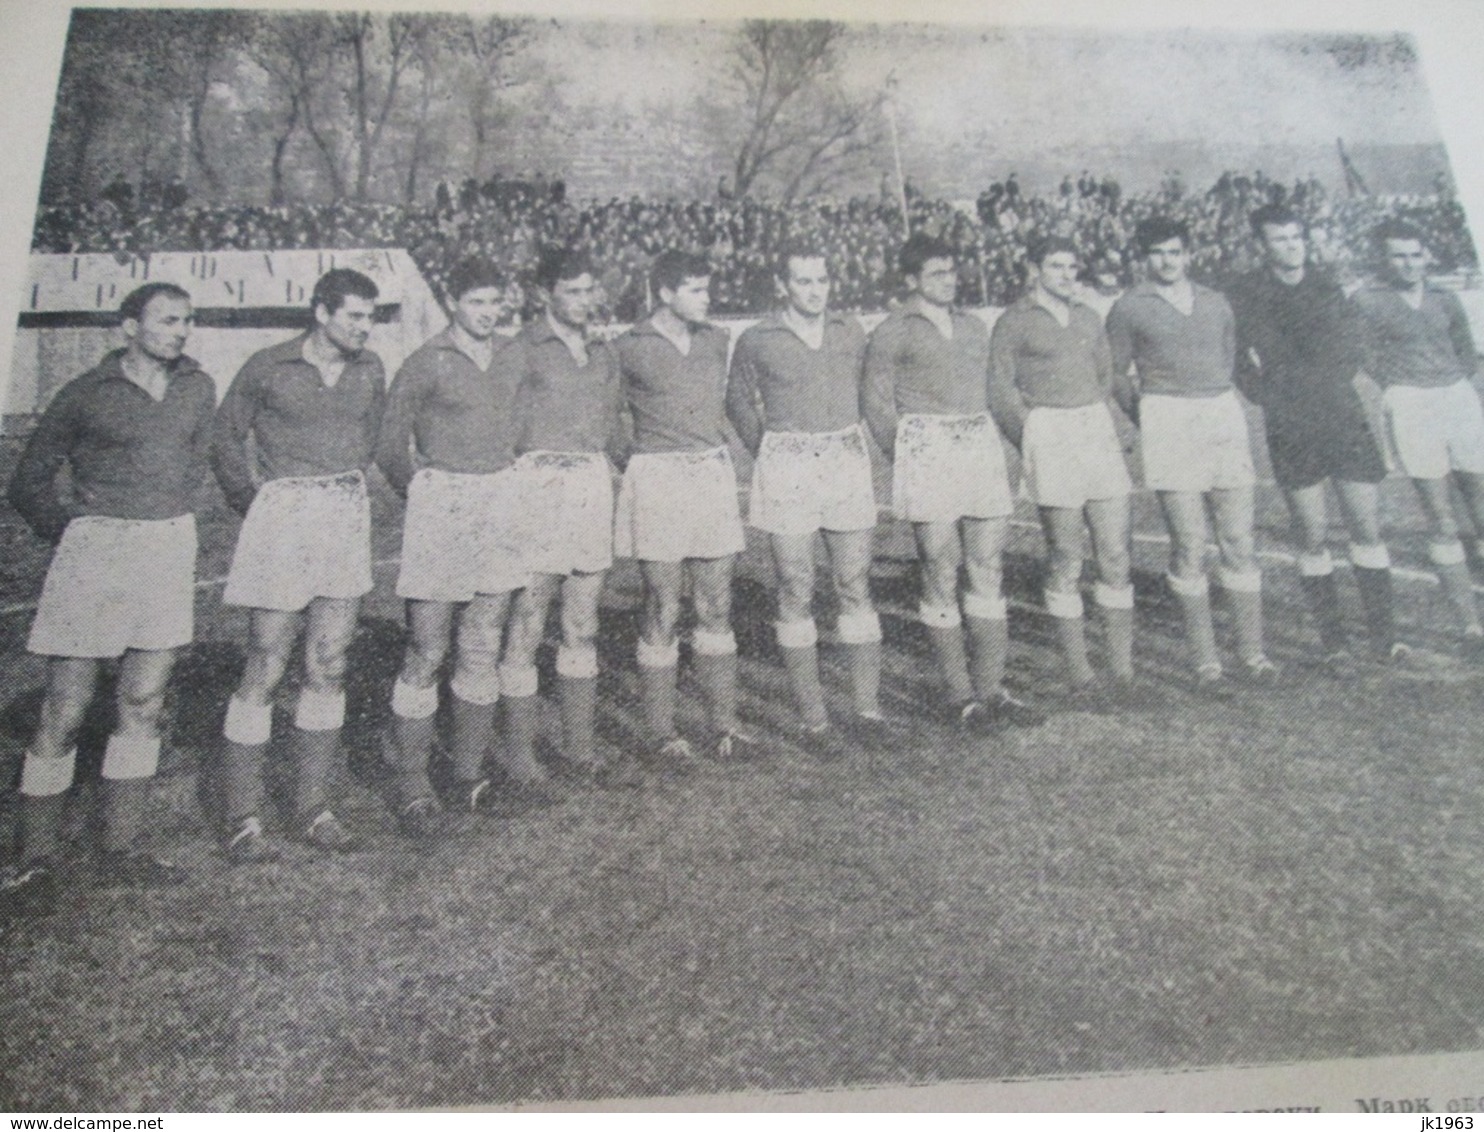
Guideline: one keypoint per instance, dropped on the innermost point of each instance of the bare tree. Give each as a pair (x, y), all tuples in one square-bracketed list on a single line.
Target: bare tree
[(297, 52), (800, 123), (84, 104), (200, 45), (156, 71), (491, 45), (380, 49), (428, 48)]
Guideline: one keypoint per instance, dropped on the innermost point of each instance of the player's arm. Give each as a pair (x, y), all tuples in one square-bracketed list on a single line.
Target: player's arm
[(395, 437), (1247, 371), (371, 423), (1228, 337), (743, 407), (33, 485), (1348, 336), (1121, 345), (878, 389), (620, 418), (1370, 337), (1006, 404), (1461, 335), (231, 432), (1102, 360), (200, 442)]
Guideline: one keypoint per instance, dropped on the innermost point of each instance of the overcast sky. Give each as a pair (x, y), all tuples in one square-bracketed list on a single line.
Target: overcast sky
[(1031, 91)]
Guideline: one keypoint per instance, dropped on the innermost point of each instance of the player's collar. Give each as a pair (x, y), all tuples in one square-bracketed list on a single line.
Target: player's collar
[(446, 339), (1033, 302), (773, 320), (1149, 290), (916, 307), (111, 368), (540, 330), (647, 327)]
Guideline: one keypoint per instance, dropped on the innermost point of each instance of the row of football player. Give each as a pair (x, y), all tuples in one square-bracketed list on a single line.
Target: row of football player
[(501, 447)]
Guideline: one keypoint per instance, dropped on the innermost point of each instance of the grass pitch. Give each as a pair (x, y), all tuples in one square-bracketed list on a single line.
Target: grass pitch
[(1292, 875)]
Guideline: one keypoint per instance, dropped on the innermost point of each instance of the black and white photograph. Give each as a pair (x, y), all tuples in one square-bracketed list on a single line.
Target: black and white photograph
[(576, 556)]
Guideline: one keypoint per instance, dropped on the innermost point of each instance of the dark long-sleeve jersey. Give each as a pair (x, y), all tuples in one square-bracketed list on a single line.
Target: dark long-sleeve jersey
[(1298, 345), (461, 418), (676, 400), (1036, 362), (130, 456), (561, 406), (780, 384), (1175, 354), (912, 368), (297, 425), (1430, 347)]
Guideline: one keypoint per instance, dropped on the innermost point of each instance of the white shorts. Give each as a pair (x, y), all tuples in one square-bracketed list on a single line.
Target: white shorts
[(809, 481), (1195, 443), (118, 584), (678, 505), (461, 536), (949, 468), (1072, 456), (567, 511), (1433, 432), (304, 537)]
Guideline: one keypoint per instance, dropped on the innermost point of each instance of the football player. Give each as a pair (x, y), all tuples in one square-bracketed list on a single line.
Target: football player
[(677, 506), (133, 433), (1051, 378), (794, 396), (1181, 340), (292, 442), (1420, 349), (927, 403)]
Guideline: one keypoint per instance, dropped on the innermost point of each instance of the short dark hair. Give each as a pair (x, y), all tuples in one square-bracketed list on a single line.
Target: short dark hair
[(472, 274), (1158, 229), (339, 284), (673, 267), (1276, 216), (559, 263), (1039, 247), (138, 299), (797, 249), (1394, 228), (918, 249)]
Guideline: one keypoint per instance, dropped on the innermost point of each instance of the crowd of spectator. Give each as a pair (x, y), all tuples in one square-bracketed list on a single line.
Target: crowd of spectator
[(510, 220)]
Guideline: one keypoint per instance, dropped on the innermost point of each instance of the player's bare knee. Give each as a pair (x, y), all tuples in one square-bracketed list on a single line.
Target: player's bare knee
[(714, 608), (795, 598), (661, 616), (1444, 526), (986, 584), (1239, 558), (1187, 561), (579, 626), (139, 710), (421, 662), (940, 581), (324, 664), (263, 673), (1064, 567), (480, 665), (856, 597), (1113, 568), (853, 584), (62, 713)]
